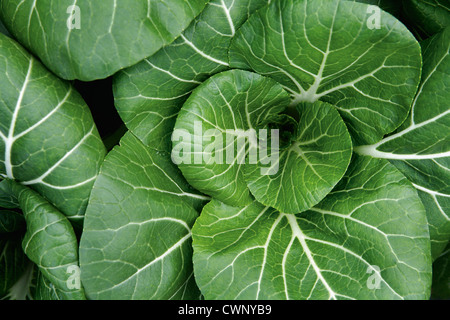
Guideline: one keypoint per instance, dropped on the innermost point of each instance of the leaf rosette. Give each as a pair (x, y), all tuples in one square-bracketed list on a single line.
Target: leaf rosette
[(276, 149), (301, 84)]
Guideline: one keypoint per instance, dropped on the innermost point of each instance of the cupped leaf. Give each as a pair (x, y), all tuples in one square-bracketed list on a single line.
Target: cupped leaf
[(48, 139), (317, 50), (136, 242), (215, 127), (421, 147), (149, 95), (367, 240), (50, 242), (429, 17), (310, 166), (92, 40), (223, 146)]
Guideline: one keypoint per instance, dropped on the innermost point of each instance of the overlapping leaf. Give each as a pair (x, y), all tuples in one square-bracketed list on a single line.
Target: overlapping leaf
[(50, 241), (136, 242), (235, 101), (48, 139), (367, 240), (236, 105), (86, 40), (308, 169), (150, 94), (421, 147), (317, 50)]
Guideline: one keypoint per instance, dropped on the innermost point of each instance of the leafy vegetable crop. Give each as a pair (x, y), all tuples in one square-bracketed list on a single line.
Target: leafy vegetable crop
[(267, 149)]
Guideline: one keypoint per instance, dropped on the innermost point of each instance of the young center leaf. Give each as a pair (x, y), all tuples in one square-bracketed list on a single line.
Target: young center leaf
[(136, 242), (89, 40), (368, 239), (328, 50), (48, 139), (310, 166), (218, 144), (149, 95), (420, 149), (235, 101)]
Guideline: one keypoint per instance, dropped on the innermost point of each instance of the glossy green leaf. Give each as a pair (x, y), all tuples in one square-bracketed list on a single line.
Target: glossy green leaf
[(233, 100), (236, 105), (48, 139), (45, 290), (149, 95), (421, 147), (89, 40), (308, 169), (368, 239), (317, 50), (136, 242), (50, 242)]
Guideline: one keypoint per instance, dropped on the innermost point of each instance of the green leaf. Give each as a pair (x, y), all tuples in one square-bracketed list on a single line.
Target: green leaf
[(104, 36), (149, 95), (310, 166), (48, 139), (136, 242), (231, 108), (7, 198), (317, 50), (429, 17), (367, 240), (50, 241), (233, 100), (421, 147), (45, 290), (441, 276)]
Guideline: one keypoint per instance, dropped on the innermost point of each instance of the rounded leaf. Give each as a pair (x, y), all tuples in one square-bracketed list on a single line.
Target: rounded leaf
[(368, 239), (92, 40), (318, 51)]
